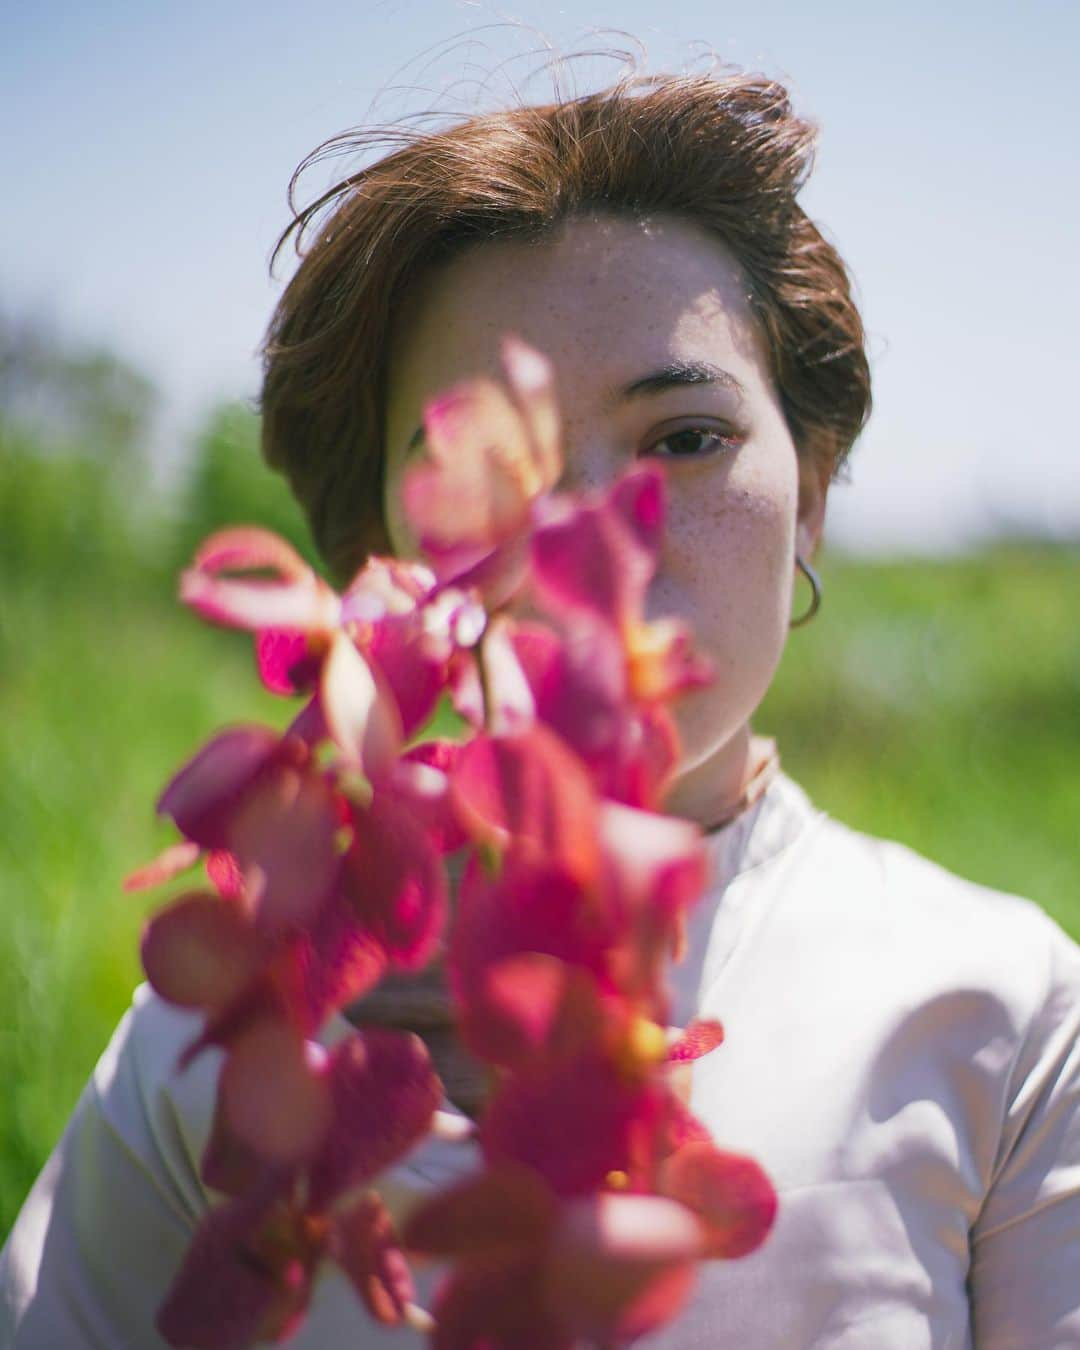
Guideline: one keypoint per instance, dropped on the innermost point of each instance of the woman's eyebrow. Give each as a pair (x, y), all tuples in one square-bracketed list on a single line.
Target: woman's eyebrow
[(673, 376)]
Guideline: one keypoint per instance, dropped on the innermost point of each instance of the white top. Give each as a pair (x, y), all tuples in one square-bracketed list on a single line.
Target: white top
[(902, 1055)]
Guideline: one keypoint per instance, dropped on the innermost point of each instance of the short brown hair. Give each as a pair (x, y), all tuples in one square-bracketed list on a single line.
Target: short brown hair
[(725, 152)]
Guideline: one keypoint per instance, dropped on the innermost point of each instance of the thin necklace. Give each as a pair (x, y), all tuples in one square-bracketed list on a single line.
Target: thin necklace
[(764, 765)]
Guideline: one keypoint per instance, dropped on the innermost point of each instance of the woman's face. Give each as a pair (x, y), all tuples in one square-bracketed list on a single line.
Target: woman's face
[(656, 355)]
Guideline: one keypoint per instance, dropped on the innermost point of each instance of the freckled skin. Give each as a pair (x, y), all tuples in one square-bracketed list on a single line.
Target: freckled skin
[(610, 299)]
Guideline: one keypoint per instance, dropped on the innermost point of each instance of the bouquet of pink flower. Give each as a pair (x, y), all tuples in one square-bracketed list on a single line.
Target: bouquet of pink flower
[(325, 850)]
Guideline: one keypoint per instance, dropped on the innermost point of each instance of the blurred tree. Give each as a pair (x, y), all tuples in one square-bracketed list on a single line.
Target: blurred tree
[(73, 422), (228, 484), (62, 523), (73, 397)]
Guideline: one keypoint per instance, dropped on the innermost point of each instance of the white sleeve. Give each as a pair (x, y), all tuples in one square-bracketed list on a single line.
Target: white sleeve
[(107, 1223), (1024, 1279)]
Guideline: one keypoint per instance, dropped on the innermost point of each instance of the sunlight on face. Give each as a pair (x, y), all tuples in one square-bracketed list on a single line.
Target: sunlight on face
[(656, 354)]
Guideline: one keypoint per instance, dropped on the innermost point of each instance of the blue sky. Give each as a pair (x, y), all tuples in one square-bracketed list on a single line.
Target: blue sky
[(149, 146)]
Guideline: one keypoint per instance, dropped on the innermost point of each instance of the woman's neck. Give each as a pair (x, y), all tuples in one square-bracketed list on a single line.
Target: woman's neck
[(719, 787)]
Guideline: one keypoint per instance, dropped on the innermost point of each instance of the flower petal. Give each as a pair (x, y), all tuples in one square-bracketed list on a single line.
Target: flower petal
[(638, 500), (255, 605), (578, 683), (362, 719), (501, 1308), (396, 882), (529, 790), (656, 868), (275, 1092), (367, 1249), (644, 759), (386, 587), (265, 996), (202, 795), (504, 1214), (495, 573), (201, 952), (580, 688), (587, 563), (404, 632), (621, 1265), (531, 377), (288, 660), (249, 547), (385, 1094), (529, 1008), (613, 1123), (224, 1296), (332, 962), (309, 725), (659, 862), (482, 469), (294, 598), (414, 674), (510, 704), (421, 785), (224, 874), (682, 1126), (701, 1035), (729, 1192), (229, 1164), (283, 835), (526, 908), (169, 863), (662, 662), (577, 568)]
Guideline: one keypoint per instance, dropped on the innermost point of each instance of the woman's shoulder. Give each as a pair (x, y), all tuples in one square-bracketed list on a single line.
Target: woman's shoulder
[(932, 893), (924, 1033), (907, 908), (108, 1221)]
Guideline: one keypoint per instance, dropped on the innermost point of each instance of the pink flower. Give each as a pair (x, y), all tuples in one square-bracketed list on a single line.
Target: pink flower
[(326, 848), (249, 1271), (491, 452), (539, 1267), (204, 953), (392, 876), (409, 630), (579, 688), (262, 798), (405, 627), (592, 564), (600, 1239), (250, 578), (613, 904), (383, 905), (528, 791)]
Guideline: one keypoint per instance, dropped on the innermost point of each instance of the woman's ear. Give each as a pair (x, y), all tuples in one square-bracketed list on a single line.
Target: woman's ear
[(813, 491)]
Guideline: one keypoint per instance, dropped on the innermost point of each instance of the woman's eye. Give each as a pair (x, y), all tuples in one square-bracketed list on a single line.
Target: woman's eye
[(691, 442)]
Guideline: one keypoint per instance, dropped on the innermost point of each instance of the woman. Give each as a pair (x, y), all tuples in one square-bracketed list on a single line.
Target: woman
[(901, 1048)]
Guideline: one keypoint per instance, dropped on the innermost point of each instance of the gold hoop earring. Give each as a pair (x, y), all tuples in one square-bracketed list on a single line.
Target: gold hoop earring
[(815, 591)]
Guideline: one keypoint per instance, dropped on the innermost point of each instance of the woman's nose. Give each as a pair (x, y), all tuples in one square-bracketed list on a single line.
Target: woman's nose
[(588, 466)]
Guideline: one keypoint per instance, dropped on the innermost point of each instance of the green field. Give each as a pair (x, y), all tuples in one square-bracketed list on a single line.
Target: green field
[(935, 703)]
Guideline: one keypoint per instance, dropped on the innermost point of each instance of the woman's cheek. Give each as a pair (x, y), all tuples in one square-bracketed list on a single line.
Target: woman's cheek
[(728, 564), (727, 571)]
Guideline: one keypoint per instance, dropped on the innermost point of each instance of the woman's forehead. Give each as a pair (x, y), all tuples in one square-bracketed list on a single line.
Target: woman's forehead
[(605, 297)]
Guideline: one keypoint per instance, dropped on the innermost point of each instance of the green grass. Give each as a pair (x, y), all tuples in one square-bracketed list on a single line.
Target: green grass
[(102, 699), (938, 704)]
